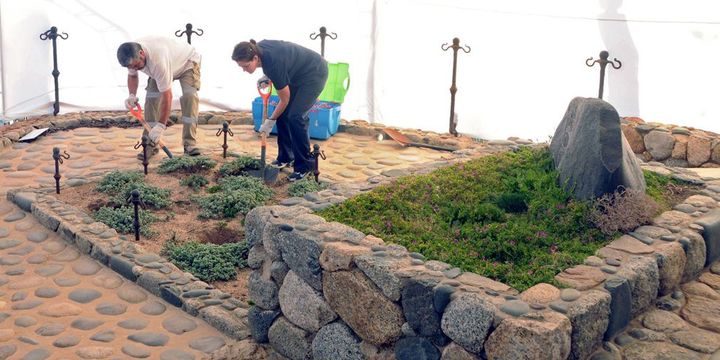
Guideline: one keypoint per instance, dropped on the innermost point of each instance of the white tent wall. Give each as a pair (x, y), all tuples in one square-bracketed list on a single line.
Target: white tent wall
[(527, 59)]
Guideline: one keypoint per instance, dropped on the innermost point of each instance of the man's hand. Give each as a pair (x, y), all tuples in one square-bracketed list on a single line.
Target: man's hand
[(263, 82), (267, 127), (131, 101), (156, 132)]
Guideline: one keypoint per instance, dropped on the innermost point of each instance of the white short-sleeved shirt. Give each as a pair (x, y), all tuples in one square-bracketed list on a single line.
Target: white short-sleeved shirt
[(166, 59)]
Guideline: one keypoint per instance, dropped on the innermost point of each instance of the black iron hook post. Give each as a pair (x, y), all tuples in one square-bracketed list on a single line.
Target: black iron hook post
[(58, 160), (317, 154), (225, 130), (144, 142), (189, 31), (52, 34), (453, 89), (323, 34), (603, 61), (135, 199)]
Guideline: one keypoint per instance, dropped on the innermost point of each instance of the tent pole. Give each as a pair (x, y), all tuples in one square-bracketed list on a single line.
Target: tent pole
[(2, 66)]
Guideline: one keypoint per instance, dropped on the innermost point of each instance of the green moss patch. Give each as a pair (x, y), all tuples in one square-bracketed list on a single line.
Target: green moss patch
[(504, 217)]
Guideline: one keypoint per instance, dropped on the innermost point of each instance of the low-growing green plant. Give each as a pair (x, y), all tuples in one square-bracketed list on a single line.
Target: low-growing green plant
[(239, 166), (209, 262), (665, 190), (122, 219), (246, 183), (186, 164), (453, 215), (228, 204), (512, 202), (116, 181), (305, 186), (151, 196), (194, 181), (213, 189)]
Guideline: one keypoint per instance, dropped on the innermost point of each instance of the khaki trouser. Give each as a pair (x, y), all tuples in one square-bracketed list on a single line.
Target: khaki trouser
[(189, 101)]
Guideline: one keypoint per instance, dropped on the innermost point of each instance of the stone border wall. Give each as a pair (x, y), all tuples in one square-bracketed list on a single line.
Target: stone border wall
[(324, 290), (672, 145)]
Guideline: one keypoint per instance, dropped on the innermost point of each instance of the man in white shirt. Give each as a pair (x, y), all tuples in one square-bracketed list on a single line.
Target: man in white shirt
[(164, 60)]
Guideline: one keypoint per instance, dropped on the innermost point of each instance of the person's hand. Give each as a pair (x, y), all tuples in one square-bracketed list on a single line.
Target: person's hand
[(267, 127), (263, 82), (156, 132), (131, 101)]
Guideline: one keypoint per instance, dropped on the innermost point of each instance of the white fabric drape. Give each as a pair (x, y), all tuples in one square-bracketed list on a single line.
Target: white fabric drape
[(527, 59)]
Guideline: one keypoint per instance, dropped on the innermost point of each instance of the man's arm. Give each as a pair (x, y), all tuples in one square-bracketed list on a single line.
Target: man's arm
[(132, 83)]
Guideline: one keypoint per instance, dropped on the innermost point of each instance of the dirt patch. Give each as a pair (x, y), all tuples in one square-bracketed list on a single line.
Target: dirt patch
[(179, 222)]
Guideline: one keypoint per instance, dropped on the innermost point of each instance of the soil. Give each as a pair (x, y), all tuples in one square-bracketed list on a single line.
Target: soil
[(180, 222)]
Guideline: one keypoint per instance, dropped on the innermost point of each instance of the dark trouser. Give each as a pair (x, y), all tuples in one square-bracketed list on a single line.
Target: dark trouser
[(292, 126)]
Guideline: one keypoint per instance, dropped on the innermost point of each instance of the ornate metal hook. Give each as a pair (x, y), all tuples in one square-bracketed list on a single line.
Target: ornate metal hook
[(453, 89), (58, 156), (317, 153), (189, 31), (456, 46), (225, 129), (603, 61), (52, 34), (323, 34)]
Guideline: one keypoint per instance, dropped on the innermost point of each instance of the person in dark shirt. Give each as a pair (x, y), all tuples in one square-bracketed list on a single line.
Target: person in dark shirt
[(299, 75)]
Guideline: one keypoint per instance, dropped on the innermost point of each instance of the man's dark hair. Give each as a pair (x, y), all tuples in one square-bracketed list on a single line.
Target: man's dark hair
[(128, 52)]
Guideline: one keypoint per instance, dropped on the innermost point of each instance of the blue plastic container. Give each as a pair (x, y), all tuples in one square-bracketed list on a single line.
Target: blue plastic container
[(324, 117)]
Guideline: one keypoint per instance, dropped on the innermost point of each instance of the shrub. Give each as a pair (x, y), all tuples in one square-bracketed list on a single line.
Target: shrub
[(230, 203), (623, 211), (194, 181), (512, 202), (233, 195), (474, 213), (186, 164), (116, 181), (245, 183), (305, 186), (122, 218), (209, 262), (239, 166), (151, 196)]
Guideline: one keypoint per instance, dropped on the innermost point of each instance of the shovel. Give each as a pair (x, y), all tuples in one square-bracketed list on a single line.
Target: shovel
[(269, 174), (404, 141), (137, 113)]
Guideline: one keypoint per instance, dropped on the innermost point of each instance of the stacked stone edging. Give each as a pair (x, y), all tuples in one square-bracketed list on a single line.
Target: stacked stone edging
[(324, 290), (154, 273), (672, 145)]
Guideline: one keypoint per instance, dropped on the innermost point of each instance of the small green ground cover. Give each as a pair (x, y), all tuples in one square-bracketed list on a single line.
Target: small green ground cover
[(503, 217)]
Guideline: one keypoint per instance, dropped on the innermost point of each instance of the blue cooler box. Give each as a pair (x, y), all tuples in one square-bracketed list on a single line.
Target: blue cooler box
[(324, 117)]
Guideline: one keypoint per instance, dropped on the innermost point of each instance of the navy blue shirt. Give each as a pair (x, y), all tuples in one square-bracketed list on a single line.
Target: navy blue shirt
[(286, 63)]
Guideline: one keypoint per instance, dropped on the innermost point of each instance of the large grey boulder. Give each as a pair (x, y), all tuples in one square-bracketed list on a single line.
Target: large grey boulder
[(591, 153)]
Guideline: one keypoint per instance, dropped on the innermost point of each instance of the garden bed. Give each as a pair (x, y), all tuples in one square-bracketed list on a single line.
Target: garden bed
[(503, 217), (187, 218)]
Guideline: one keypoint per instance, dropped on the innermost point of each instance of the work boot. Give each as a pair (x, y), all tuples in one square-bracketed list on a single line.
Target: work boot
[(192, 151), (151, 151)]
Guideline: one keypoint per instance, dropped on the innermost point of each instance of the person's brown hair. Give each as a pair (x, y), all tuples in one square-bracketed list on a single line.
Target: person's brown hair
[(245, 51)]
